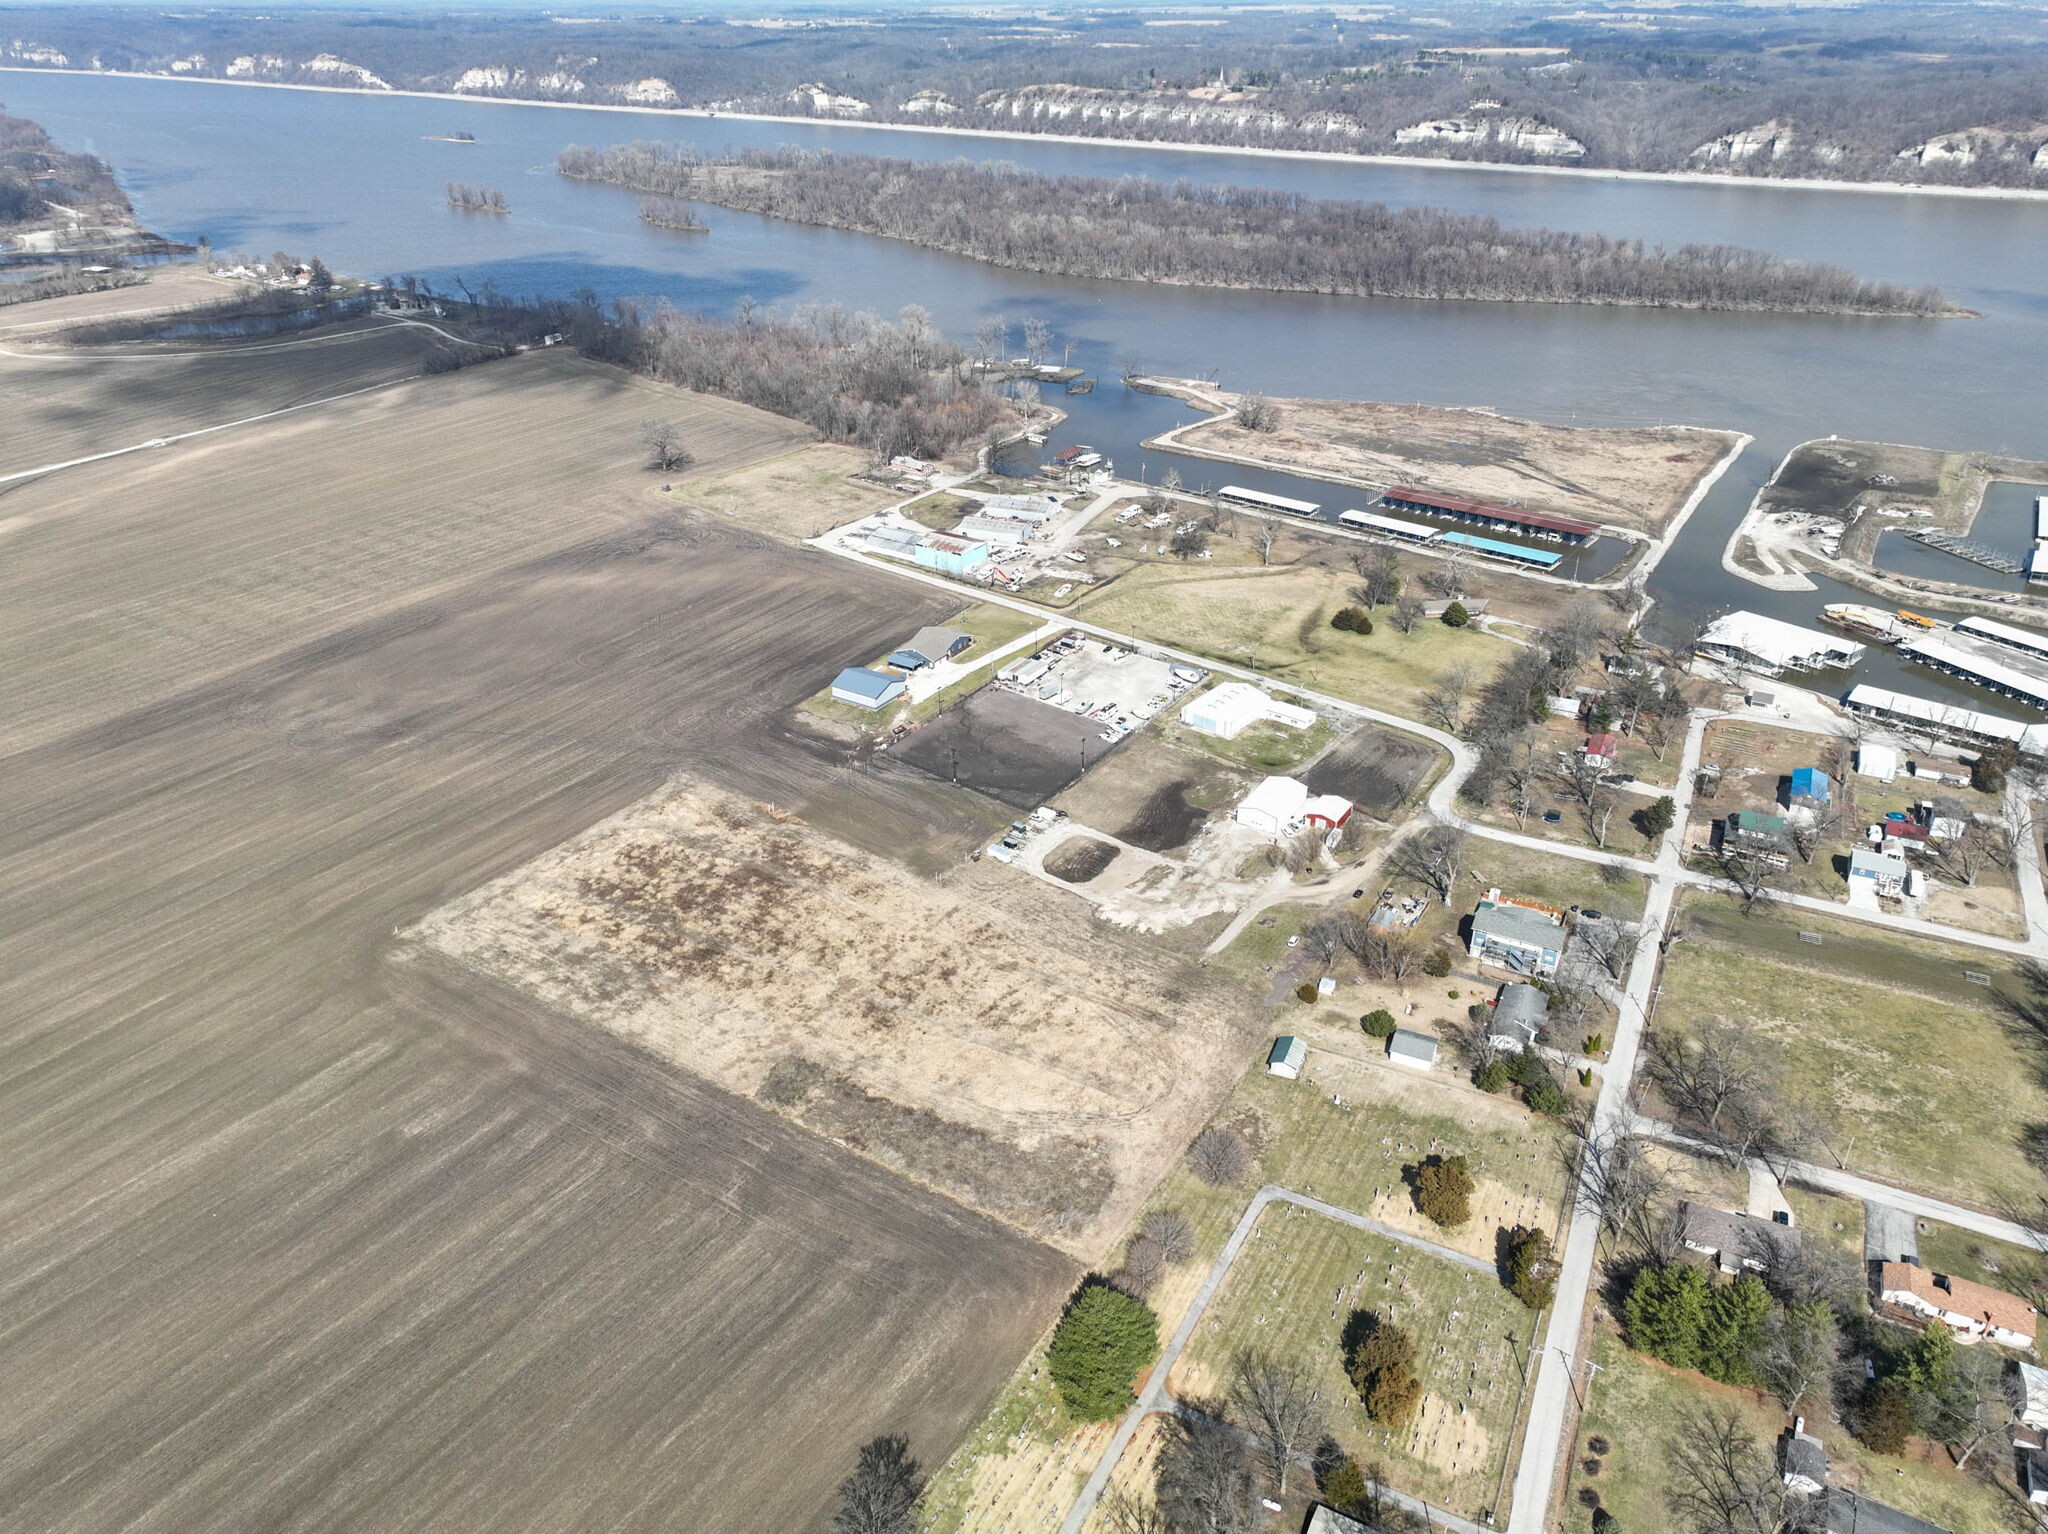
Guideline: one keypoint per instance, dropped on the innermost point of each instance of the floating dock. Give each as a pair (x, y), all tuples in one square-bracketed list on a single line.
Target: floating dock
[(1949, 543)]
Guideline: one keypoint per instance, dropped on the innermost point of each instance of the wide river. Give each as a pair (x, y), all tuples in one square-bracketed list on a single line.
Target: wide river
[(358, 179)]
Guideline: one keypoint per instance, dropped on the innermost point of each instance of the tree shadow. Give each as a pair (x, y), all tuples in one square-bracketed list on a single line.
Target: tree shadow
[(1503, 1250)]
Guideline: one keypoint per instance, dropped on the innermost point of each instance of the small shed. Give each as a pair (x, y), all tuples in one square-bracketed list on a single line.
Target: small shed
[(1412, 1049), (1286, 1056), (2026, 1386), (866, 689), (1879, 762), (1804, 1461)]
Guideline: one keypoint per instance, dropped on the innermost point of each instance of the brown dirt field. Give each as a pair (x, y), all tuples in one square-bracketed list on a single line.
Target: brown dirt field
[(1637, 477), (168, 287), (1152, 794), (794, 495), (1376, 769), (72, 402), (129, 578), (876, 1006), (308, 1228)]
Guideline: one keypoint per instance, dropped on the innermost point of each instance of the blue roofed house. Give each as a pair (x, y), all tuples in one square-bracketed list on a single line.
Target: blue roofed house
[(1810, 787), (929, 646), (866, 689), (1527, 939)]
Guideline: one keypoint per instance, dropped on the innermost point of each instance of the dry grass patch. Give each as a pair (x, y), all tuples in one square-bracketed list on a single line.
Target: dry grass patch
[(1635, 477), (795, 495), (977, 1033), (1277, 621)]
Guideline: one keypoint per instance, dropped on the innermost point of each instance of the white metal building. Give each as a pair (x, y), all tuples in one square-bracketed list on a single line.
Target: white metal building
[(1228, 711), (1279, 807), (1875, 761), (1771, 645)]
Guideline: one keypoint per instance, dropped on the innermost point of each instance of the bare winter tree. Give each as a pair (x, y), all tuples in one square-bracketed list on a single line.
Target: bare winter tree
[(1801, 1272), (881, 1495), (1276, 1399), (1431, 857), (1599, 812), (1609, 946), (1752, 880), (1724, 1482), (1264, 535), (1407, 612), (1219, 1157), (1037, 338), (1523, 773), (1172, 1232), (1257, 413), (664, 443), (1714, 1071), (992, 338), (1123, 1513), (1380, 580), (1812, 828), (1444, 704), (1204, 1481), (1323, 939), (1799, 1352), (1144, 1265), (1618, 1180), (1965, 855)]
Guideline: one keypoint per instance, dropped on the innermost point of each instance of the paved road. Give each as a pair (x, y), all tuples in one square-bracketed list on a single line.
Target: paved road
[(1155, 1396), (1924, 1206)]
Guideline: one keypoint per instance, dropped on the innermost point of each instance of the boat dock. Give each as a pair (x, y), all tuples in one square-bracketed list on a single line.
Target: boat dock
[(1949, 543)]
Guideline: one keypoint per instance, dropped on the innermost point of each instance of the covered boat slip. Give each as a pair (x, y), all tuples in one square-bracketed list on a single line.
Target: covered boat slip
[(1392, 527), (1263, 501), (1507, 519)]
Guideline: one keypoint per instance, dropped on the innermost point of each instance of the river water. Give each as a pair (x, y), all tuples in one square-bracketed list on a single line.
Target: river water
[(358, 181)]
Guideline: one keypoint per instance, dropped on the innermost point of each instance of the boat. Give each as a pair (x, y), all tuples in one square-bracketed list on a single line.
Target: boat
[(1870, 622), (1915, 619)]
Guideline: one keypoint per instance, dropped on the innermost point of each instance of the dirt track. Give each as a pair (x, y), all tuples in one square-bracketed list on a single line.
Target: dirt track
[(306, 1229)]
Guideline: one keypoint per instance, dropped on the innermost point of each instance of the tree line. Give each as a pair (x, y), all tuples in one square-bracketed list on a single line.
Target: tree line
[(1232, 237), (1855, 95)]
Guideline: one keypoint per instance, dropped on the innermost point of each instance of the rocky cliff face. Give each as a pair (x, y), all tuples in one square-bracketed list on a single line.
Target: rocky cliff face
[(820, 102), (1054, 104), (1482, 130), (1767, 142), (1981, 145)]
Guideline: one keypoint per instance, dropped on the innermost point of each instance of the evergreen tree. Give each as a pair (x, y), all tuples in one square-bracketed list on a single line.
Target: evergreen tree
[(1736, 1317), (1532, 1273), (1101, 1343), (1885, 1420), (1379, 1023), (1443, 1190), (1665, 1313), (1457, 615)]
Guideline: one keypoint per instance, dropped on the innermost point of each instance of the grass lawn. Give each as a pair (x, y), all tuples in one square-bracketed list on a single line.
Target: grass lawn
[(1926, 1086), (1639, 1406), (1945, 1249), (1291, 1292), (1824, 1217), (1277, 621), (1026, 1460), (939, 511), (1558, 881), (797, 495)]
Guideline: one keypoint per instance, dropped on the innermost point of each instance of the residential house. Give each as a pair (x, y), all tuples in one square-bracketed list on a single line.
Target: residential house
[(1973, 1311), (1902, 836), (1327, 1520), (1529, 939), (1519, 1015), (1803, 1461), (1733, 1242), (1286, 1057), (1875, 873), (1416, 1050), (1753, 831), (2026, 1386), (1601, 750), (929, 646)]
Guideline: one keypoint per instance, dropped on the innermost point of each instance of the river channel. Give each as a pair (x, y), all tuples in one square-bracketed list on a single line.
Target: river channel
[(357, 180)]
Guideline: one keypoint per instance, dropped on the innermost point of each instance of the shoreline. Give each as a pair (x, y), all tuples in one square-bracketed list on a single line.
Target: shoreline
[(1582, 172)]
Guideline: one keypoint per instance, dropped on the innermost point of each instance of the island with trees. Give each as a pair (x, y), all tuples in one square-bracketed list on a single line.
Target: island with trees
[(476, 199), (1233, 237)]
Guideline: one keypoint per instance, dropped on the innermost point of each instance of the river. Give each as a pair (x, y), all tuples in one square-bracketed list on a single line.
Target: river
[(357, 180)]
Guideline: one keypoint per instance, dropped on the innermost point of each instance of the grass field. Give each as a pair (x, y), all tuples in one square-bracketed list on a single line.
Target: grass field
[(1277, 621), (1925, 1084), (308, 1227), (1640, 1406), (128, 579), (1945, 1249), (1291, 1291), (70, 403), (797, 494)]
